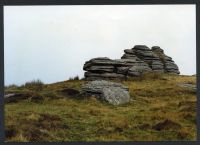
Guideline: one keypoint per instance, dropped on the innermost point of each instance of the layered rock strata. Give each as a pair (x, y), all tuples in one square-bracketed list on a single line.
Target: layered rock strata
[(168, 63), (134, 62)]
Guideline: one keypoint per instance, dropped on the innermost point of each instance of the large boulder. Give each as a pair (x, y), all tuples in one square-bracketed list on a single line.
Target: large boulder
[(113, 93)]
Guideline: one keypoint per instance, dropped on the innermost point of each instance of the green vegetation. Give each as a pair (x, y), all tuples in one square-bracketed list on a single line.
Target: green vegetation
[(159, 110), (35, 85), (74, 78)]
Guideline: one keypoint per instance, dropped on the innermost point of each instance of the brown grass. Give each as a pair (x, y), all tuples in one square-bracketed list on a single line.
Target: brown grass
[(154, 100)]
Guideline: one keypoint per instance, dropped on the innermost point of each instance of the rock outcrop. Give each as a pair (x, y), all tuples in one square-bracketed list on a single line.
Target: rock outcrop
[(113, 93), (134, 62), (169, 64)]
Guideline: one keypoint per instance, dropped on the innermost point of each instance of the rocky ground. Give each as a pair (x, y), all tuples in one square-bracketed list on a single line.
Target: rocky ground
[(161, 107)]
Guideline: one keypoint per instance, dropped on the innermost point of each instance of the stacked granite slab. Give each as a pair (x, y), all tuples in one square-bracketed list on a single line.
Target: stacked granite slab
[(168, 63), (134, 62), (145, 54), (102, 68), (132, 67)]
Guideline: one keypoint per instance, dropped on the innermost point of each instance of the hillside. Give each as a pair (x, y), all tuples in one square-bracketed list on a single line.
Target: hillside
[(159, 110)]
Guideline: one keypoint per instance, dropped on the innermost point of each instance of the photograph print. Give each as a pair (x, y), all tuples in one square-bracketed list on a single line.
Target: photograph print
[(100, 73)]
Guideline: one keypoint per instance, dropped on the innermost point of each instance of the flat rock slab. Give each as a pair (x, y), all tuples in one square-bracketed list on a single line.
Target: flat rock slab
[(22, 96), (113, 93), (188, 86)]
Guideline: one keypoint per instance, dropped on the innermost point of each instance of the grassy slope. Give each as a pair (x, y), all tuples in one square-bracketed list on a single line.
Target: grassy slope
[(88, 119)]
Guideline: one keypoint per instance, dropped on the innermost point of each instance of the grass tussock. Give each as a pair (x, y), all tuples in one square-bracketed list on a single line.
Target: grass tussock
[(148, 76), (12, 86), (73, 78), (36, 85), (159, 110)]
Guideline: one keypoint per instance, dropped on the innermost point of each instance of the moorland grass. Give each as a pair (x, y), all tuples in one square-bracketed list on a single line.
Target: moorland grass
[(60, 117)]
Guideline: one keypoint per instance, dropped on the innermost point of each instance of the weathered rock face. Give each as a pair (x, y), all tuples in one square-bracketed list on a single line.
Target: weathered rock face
[(168, 63), (145, 54), (134, 62), (114, 93)]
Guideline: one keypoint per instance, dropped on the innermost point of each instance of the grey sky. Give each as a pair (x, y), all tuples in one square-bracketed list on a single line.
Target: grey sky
[(52, 43)]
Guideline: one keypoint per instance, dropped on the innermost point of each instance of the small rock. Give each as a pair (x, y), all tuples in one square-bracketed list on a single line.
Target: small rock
[(188, 86), (16, 97), (9, 95)]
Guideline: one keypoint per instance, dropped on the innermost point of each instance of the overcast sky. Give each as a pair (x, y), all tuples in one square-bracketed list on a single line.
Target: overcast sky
[(51, 43)]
